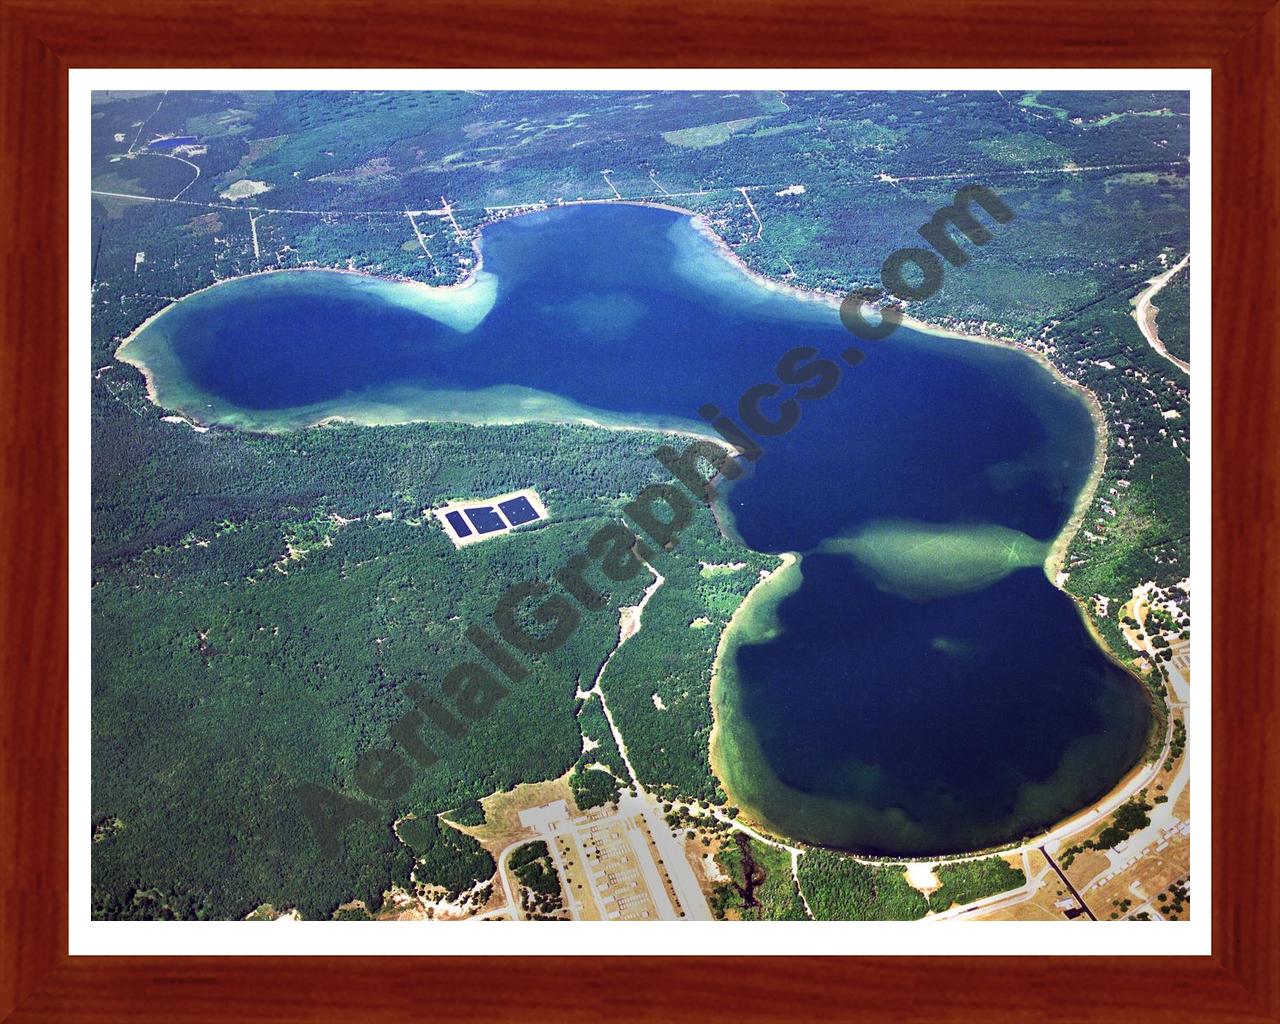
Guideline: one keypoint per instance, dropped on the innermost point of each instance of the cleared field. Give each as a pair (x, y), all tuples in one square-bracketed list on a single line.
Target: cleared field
[(469, 522), (708, 134)]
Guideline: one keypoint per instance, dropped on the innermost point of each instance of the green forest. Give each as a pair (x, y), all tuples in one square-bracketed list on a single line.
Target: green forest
[(840, 888), (1173, 315), (445, 856), (256, 624), (968, 880), (541, 898)]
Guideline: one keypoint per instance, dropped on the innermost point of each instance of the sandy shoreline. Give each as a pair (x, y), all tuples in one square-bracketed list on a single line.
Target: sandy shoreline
[(434, 289), (704, 227), (786, 560), (1053, 565), (1069, 826), (148, 375), (1058, 548), (568, 421)]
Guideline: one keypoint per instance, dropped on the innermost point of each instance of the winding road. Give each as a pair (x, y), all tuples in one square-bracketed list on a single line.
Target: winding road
[(1145, 314)]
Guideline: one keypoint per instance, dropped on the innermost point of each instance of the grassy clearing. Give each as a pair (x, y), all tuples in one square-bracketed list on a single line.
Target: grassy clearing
[(1022, 148), (704, 135)]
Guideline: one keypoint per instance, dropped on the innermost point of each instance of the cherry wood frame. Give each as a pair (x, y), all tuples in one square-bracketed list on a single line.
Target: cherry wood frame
[(41, 39)]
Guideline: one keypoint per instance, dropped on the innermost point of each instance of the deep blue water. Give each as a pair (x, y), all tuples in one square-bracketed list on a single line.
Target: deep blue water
[(878, 722)]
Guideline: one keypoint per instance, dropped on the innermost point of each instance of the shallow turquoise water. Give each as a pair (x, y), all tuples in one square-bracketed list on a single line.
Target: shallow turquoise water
[(923, 689)]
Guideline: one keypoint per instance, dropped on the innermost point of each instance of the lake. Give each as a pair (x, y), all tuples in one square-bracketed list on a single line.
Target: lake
[(913, 684)]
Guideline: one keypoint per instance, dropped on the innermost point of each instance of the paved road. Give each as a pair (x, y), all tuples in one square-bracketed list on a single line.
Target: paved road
[(512, 903), (1067, 882)]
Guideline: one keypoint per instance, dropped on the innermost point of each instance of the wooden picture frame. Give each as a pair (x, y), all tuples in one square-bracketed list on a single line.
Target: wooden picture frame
[(42, 39)]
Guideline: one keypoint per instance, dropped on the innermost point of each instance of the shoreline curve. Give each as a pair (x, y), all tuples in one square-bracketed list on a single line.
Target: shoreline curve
[(1053, 565)]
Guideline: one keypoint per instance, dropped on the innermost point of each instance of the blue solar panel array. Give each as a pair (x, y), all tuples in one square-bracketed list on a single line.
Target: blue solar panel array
[(460, 527), (518, 510), (485, 519)]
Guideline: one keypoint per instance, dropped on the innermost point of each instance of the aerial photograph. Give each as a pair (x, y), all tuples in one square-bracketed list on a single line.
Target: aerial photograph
[(677, 505)]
